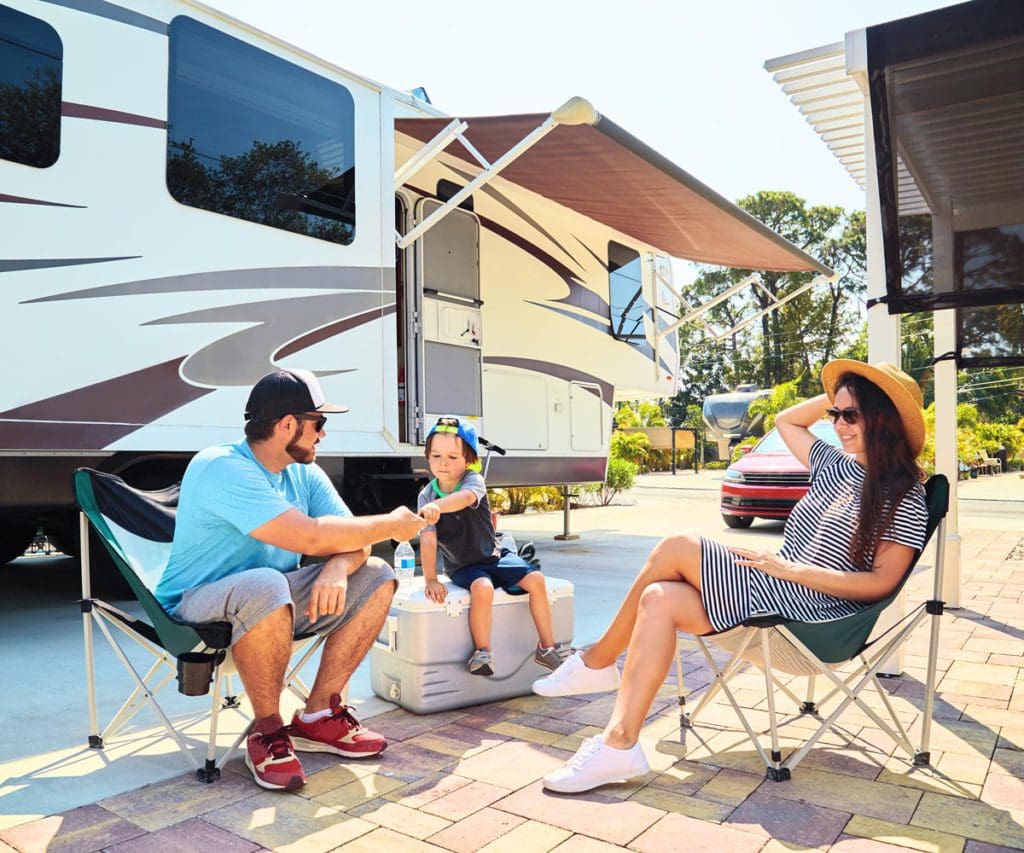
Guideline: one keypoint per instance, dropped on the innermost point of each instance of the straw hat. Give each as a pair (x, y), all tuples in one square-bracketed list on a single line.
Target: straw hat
[(898, 386)]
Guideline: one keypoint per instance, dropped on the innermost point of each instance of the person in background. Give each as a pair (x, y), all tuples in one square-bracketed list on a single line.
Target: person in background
[(454, 505)]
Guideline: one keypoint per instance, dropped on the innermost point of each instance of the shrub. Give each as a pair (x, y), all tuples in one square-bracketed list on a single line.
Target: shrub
[(633, 447), (621, 476)]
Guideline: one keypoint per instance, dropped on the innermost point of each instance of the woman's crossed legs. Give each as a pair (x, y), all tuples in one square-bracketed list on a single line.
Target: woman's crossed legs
[(663, 599)]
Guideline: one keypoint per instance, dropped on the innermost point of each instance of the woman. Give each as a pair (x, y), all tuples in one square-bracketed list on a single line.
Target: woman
[(846, 544)]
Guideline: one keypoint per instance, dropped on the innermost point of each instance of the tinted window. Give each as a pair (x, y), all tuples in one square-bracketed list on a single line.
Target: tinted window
[(252, 136), (30, 74), (625, 293)]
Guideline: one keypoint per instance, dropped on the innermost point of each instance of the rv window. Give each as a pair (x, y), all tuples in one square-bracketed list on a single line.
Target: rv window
[(625, 293), (31, 57), (255, 137)]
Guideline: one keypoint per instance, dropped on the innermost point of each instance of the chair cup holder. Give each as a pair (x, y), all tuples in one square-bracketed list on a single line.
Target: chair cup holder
[(195, 672)]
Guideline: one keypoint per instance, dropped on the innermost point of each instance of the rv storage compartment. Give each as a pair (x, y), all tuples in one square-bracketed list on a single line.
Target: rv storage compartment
[(419, 659)]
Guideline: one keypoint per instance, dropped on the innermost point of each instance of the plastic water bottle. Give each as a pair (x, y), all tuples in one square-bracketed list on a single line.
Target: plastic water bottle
[(405, 563)]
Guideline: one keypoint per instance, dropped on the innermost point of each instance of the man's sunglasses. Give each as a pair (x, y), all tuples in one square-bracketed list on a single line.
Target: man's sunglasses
[(851, 415), (319, 421)]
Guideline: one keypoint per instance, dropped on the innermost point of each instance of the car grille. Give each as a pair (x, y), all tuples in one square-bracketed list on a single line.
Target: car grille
[(775, 479), (756, 503)]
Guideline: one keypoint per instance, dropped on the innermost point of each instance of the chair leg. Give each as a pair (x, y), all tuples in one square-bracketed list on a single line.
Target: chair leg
[(776, 772), (95, 740), (809, 707), (679, 684), (210, 772)]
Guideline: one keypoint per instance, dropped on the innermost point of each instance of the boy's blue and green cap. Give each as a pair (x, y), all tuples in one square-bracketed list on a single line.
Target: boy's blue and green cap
[(455, 426)]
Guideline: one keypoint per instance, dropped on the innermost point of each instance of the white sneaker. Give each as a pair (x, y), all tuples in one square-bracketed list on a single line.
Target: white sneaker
[(596, 764), (574, 677)]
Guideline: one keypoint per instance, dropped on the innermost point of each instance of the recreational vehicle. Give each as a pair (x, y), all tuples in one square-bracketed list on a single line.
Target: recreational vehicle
[(188, 203)]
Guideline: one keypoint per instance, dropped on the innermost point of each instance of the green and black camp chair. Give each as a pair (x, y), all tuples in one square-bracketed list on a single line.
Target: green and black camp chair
[(137, 527), (778, 646)]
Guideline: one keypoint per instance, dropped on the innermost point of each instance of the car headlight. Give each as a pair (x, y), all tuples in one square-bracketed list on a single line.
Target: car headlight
[(734, 476)]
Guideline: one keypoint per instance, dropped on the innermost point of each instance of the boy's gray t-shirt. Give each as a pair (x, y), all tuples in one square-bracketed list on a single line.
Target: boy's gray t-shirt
[(466, 537)]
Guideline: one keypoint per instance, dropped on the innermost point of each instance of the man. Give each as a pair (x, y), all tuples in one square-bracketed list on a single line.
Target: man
[(247, 513)]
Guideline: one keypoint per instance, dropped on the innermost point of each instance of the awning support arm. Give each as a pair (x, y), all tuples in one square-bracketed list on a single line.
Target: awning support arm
[(428, 152), (573, 111), (484, 177), (773, 307), (698, 312)]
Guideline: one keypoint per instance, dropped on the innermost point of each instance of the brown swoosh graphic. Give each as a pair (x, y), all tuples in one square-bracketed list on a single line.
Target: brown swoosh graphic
[(17, 199), (69, 109), (92, 417)]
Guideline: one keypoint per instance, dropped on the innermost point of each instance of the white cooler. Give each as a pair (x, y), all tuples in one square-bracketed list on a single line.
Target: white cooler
[(419, 659)]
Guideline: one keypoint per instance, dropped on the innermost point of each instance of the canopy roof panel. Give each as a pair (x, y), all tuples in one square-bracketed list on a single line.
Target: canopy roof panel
[(610, 176)]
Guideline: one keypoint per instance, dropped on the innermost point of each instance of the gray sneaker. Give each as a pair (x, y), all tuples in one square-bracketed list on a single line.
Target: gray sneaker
[(481, 663), (553, 657)]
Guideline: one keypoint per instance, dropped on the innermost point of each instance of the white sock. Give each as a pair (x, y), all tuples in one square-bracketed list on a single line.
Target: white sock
[(316, 715)]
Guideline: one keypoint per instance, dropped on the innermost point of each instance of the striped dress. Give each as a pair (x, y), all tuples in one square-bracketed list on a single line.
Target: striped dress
[(819, 532)]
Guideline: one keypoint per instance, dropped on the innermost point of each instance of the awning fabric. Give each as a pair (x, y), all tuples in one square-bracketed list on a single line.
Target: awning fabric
[(610, 176)]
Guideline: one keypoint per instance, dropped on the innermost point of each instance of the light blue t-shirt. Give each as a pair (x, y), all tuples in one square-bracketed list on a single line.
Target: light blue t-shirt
[(226, 494)]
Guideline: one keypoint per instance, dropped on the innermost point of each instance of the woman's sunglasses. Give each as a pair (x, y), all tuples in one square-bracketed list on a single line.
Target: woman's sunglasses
[(850, 416)]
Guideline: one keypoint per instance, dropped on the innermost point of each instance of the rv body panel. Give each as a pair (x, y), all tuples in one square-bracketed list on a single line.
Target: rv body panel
[(141, 321)]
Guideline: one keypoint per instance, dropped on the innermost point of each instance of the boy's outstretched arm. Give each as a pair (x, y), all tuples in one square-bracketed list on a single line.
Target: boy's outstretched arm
[(435, 590)]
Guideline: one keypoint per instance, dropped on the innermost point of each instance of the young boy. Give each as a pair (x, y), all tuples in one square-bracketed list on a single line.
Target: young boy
[(458, 517)]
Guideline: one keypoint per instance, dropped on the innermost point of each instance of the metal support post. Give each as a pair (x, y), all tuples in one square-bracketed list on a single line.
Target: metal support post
[(565, 534)]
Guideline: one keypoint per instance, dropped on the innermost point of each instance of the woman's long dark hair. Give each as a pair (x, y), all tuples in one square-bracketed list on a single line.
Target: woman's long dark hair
[(892, 469)]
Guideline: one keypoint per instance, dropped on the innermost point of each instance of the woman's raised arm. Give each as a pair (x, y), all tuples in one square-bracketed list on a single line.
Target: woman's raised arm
[(794, 425)]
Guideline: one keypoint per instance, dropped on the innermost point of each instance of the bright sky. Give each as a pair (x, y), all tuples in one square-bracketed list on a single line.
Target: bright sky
[(685, 76)]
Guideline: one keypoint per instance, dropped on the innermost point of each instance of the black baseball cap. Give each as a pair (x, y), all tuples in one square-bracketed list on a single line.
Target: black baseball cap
[(287, 392)]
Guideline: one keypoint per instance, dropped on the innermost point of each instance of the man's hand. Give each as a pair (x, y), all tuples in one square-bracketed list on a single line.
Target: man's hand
[(327, 597), (406, 523), (431, 512), (436, 591)]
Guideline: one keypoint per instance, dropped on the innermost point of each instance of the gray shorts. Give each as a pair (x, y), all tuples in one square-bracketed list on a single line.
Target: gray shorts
[(249, 597)]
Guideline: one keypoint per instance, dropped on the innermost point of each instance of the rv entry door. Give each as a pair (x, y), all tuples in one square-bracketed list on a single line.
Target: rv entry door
[(448, 290)]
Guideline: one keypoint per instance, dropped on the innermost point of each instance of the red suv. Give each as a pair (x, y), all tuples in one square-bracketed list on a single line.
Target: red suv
[(767, 481)]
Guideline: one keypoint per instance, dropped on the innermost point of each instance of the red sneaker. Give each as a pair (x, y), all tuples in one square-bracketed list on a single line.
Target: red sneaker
[(339, 732), (271, 758)]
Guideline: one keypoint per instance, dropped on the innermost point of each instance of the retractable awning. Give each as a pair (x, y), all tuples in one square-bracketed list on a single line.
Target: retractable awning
[(608, 175)]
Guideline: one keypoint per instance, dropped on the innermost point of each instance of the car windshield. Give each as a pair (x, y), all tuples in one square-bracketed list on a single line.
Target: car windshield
[(773, 443)]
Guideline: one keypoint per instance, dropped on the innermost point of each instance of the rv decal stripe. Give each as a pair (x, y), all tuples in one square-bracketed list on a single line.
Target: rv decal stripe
[(19, 264), (92, 417), (71, 110), (102, 9), (17, 199), (600, 325), (333, 329), (559, 371), (241, 357), (290, 278)]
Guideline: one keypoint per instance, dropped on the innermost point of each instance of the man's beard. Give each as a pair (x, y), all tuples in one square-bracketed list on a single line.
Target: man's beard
[(302, 455)]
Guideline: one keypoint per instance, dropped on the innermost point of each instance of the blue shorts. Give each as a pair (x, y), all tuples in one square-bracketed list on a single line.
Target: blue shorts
[(505, 573)]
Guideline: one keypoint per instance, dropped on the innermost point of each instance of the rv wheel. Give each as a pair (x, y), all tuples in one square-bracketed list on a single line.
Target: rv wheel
[(737, 522)]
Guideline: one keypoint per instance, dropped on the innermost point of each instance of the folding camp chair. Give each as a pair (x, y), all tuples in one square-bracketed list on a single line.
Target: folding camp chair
[(137, 528), (775, 645)]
